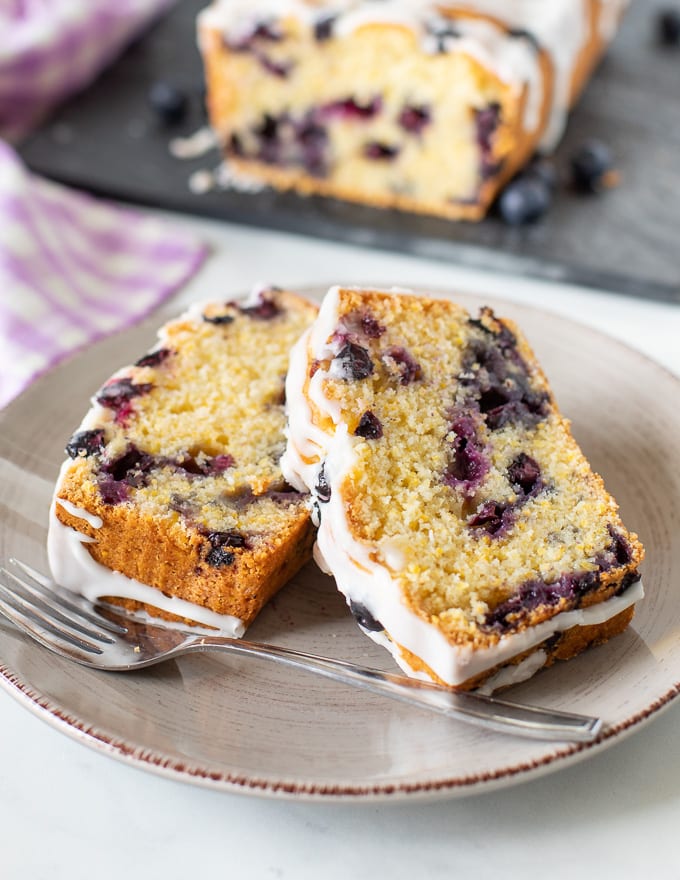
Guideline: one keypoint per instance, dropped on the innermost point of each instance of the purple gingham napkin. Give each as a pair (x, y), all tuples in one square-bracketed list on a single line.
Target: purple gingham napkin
[(51, 48), (73, 269)]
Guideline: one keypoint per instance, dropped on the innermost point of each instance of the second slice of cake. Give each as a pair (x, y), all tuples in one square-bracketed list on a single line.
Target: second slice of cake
[(172, 496), (457, 513)]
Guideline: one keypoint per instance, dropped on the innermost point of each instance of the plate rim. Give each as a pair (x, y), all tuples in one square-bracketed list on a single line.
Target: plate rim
[(171, 767)]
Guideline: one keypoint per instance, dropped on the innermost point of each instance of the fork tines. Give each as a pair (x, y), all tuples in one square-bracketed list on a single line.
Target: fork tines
[(40, 607)]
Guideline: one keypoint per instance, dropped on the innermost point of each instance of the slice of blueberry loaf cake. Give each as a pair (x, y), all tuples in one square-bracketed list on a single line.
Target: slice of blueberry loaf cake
[(172, 496), (458, 515), (412, 104)]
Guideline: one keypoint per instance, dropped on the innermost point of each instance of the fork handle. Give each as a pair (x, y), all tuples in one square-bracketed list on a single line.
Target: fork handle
[(485, 711)]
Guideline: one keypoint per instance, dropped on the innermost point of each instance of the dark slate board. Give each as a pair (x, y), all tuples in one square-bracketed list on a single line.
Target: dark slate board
[(628, 240)]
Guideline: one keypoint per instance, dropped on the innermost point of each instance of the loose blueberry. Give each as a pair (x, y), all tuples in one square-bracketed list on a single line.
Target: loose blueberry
[(668, 28), (525, 200), (86, 443), (168, 102), (369, 427), (414, 119), (154, 358), (353, 362), (590, 165), (380, 152), (364, 617)]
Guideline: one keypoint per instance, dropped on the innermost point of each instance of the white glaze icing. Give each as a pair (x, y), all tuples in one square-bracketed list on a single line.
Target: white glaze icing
[(359, 575), (560, 27), (514, 674), (90, 518)]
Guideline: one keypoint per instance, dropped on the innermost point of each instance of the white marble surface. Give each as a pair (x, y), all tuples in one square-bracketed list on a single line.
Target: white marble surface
[(67, 811)]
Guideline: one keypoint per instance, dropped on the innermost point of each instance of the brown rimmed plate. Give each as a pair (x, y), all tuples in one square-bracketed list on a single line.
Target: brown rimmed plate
[(244, 726)]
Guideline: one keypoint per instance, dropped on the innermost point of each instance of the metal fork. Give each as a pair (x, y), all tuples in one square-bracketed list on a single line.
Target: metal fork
[(108, 638)]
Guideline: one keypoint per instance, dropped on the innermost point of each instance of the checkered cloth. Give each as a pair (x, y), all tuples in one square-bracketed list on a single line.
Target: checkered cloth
[(51, 48), (73, 269)]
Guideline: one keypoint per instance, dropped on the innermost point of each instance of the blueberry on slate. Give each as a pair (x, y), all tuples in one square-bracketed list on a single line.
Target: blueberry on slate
[(545, 171), (589, 165), (168, 102), (668, 27), (524, 200)]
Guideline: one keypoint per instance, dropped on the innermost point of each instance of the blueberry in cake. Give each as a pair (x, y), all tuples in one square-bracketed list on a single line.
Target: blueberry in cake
[(172, 496), (411, 104), (456, 512)]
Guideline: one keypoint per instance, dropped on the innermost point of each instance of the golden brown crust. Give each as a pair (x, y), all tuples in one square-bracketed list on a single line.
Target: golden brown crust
[(173, 560)]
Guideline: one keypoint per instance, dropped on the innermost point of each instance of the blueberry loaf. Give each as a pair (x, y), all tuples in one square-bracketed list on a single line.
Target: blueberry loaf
[(172, 496), (411, 104), (457, 513)]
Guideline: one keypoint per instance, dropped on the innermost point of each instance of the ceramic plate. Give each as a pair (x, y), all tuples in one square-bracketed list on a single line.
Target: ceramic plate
[(248, 726)]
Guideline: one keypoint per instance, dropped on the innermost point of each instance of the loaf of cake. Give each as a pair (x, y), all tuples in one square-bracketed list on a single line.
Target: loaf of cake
[(456, 512), (172, 496), (412, 104)]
